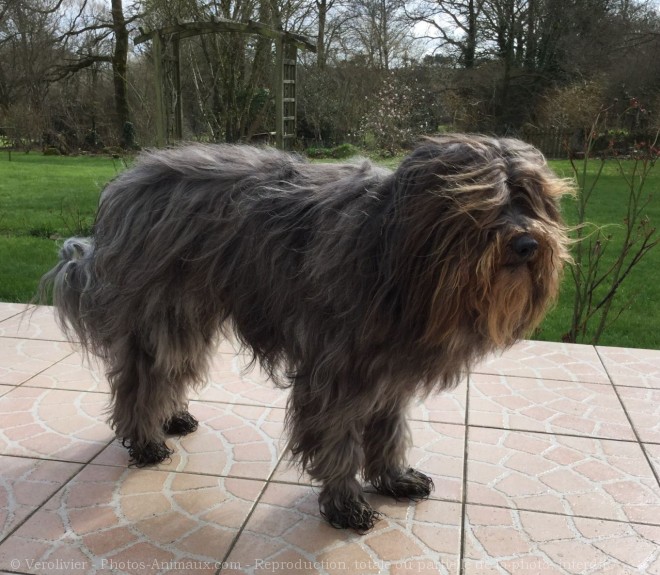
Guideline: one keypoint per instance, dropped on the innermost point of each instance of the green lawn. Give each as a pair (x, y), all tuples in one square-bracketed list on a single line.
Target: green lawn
[(43, 199), (638, 325)]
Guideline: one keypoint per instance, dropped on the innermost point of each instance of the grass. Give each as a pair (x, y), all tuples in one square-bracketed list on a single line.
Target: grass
[(44, 199), (638, 325)]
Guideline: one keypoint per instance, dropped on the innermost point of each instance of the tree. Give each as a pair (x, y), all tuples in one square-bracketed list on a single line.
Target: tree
[(99, 37), (378, 32), (454, 24), (28, 50)]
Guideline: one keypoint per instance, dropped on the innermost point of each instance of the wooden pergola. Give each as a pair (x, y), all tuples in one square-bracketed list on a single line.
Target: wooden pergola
[(286, 52)]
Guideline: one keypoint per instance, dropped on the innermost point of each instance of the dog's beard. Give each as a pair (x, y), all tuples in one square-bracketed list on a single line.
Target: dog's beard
[(518, 298)]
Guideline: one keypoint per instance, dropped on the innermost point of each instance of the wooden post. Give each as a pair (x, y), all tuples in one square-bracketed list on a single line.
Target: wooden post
[(176, 71), (286, 54), (279, 93), (161, 110), (289, 102)]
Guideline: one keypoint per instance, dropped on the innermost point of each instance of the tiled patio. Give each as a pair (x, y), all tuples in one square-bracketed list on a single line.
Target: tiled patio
[(546, 461)]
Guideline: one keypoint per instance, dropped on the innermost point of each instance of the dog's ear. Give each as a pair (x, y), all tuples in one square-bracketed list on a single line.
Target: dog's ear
[(426, 235)]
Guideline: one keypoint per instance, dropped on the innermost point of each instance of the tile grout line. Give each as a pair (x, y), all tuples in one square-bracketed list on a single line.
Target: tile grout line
[(462, 535), (553, 433), (567, 515), (225, 559), (632, 425), (541, 378), (42, 371)]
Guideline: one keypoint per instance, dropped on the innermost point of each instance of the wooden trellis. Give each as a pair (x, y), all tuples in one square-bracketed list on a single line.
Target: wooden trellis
[(286, 50)]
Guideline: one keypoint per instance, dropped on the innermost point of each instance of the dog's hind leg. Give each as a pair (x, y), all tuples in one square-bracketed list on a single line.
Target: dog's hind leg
[(149, 401), (328, 441), (386, 441)]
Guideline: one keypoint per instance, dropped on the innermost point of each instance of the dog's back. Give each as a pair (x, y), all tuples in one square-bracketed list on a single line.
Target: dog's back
[(189, 234)]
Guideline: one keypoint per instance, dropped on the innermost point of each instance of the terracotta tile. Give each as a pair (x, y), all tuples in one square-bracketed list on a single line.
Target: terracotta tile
[(444, 406), (547, 360), (560, 474), (8, 310), (653, 452), (25, 484), (438, 451), (36, 323), (21, 359), (539, 543), (74, 372), (238, 440), (229, 344), (643, 407), (286, 534), (53, 424), (231, 381), (633, 367), (101, 518), (547, 405)]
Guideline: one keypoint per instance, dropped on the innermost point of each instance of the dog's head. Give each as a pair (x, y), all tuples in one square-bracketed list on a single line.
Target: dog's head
[(483, 235)]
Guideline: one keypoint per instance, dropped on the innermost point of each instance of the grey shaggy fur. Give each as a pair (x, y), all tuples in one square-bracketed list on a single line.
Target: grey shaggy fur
[(356, 286)]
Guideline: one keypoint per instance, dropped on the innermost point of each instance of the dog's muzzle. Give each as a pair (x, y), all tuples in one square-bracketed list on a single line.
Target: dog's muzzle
[(524, 248)]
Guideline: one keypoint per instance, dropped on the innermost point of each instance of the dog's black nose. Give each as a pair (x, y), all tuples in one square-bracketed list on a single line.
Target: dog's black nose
[(525, 247)]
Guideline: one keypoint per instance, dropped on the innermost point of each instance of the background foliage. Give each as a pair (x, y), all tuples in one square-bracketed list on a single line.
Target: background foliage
[(386, 70)]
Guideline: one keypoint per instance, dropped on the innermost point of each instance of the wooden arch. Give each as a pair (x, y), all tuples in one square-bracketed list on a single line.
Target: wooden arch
[(286, 52)]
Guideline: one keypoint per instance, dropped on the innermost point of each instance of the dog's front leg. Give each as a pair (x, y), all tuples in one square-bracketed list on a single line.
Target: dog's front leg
[(326, 435), (386, 442)]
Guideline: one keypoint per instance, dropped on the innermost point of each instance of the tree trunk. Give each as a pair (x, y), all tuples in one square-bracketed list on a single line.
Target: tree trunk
[(119, 68), (471, 39), (322, 7)]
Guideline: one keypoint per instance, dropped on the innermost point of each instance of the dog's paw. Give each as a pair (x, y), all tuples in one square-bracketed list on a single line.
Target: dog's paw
[(354, 514), (410, 484), (150, 453), (181, 424)]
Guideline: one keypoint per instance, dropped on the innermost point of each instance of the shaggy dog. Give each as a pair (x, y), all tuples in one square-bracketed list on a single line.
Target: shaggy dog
[(357, 287)]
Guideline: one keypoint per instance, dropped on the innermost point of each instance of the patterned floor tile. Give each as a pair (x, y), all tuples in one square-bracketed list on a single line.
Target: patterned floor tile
[(8, 310), (547, 360), (286, 534), (444, 406), (21, 359), (553, 406), (25, 484), (36, 323), (235, 440), (653, 451), (522, 542), (53, 424), (643, 407), (75, 373), (437, 451), (634, 367), (231, 381), (560, 474), (117, 520)]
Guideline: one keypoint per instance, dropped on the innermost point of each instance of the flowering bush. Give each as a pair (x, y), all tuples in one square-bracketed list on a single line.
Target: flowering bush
[(395, 118)]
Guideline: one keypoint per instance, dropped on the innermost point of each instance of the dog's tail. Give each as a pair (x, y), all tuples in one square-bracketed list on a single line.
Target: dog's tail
[(69, 281)]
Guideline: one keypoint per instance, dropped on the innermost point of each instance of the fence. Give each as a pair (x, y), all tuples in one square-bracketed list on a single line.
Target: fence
[(554, 144)]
